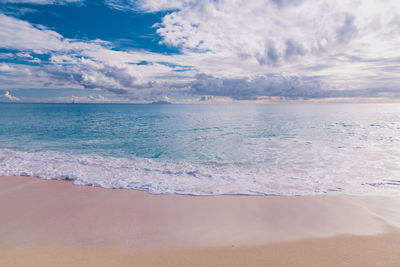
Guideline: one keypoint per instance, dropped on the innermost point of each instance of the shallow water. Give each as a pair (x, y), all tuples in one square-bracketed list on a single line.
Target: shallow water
[(207, 149)]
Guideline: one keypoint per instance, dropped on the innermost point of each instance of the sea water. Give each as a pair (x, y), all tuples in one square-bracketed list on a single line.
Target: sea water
[(288, 149)]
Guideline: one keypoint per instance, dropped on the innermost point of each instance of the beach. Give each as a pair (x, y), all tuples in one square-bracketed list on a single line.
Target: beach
[(57, 223), (199, 133)]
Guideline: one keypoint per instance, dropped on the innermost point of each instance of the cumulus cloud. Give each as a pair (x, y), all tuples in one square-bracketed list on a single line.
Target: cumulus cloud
[(95, 75), (7, 97), (120, 78), (5, 68), (22, 35), (242, 49), (90, 64), (148, 6), (346, 45), (272, 32), (90, 99), (284, 87), (250, 89)]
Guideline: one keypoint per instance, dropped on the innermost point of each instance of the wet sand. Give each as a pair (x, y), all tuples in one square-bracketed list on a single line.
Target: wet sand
[(56, 223)]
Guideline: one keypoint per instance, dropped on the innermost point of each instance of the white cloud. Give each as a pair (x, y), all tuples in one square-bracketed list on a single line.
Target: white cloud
[(118, 77), (274, 32), (242, 49), (272, 85), (74, 62), (148, 6), (89, 64), (5, 68), (7, 97), (22, 35), (91, 99), (344, 43)]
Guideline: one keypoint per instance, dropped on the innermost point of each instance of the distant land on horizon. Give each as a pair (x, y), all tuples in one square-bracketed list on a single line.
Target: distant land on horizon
[(160, 102)]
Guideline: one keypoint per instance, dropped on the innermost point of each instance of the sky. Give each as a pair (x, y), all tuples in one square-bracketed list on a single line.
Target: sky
[(191, 51)]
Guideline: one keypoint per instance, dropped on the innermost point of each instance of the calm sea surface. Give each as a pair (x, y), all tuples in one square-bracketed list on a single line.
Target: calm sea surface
[(294, 149)]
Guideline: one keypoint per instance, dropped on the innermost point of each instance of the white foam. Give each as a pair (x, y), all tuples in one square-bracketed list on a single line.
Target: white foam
[(157, 176)]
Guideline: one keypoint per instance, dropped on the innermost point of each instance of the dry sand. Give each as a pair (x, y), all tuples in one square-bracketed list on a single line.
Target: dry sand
[(56, 223)]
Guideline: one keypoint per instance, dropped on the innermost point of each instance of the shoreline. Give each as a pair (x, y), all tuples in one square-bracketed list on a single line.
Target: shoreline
[(163, 176), (64, 222)]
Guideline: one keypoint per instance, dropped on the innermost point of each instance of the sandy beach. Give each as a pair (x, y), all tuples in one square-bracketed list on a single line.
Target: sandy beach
[(56, 223)]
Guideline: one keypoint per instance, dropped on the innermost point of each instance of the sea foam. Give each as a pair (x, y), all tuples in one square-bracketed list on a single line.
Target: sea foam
[(180, 177)]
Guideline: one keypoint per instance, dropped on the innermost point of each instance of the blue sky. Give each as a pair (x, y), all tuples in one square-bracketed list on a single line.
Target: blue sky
[(192, 51), (93, 20)]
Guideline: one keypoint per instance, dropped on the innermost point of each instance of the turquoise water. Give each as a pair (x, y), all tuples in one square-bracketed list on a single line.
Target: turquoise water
[(207, 149)]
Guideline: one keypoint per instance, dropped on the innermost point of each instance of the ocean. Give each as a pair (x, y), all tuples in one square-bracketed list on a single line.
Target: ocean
[(283, 149)]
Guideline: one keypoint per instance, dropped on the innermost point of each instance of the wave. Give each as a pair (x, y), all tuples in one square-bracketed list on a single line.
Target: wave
[(182, 177)]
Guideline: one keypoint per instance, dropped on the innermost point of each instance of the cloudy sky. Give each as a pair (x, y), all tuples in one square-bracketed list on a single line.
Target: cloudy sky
[(193, 50)]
